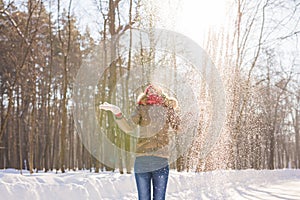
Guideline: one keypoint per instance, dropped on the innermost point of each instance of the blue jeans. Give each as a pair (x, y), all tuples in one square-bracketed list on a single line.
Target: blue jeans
[(159, 178)]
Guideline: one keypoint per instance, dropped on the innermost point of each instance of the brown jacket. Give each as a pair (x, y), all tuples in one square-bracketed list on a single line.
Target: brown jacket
[(154, 123)]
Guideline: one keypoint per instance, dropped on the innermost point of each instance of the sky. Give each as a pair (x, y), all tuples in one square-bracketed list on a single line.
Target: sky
[(193, 18), (189, 17)]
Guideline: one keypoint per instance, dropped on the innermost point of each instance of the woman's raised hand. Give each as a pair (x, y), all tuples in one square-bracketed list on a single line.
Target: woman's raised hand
[(110, 107)]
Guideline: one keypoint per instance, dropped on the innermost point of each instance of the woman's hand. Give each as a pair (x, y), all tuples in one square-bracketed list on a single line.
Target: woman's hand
[(110, 107)]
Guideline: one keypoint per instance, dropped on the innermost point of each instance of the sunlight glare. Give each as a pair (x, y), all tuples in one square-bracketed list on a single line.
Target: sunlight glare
[(195, 17)]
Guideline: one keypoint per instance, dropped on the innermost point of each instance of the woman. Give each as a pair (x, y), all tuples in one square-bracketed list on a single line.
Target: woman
[(154, 114)]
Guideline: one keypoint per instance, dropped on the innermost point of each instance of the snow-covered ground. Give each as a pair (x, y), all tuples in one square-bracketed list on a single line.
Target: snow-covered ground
[(83, 185)]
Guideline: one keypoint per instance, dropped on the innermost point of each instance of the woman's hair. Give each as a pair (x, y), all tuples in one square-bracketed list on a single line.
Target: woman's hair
[(154, 95)]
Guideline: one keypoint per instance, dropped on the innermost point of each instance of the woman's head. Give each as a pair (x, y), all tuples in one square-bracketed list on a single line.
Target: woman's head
[(154, 95)]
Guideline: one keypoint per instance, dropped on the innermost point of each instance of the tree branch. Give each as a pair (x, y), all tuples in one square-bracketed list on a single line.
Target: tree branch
[(15, 25), (290, 35)]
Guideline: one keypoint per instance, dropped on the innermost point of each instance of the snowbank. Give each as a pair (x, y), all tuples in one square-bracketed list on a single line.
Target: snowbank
[(83, 185)]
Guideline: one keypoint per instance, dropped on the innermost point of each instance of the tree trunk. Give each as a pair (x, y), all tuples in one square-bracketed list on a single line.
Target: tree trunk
[(296, 123)]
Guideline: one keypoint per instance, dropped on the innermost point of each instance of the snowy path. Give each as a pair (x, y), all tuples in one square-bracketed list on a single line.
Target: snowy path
[(83, 185)]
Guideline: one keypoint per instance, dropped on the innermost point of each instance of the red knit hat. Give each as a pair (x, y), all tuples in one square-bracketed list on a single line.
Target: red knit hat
[(154, 97)]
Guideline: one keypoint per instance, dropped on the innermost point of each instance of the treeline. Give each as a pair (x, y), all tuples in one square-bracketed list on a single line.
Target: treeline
[(42, 49), (260, 66), (40, 56)]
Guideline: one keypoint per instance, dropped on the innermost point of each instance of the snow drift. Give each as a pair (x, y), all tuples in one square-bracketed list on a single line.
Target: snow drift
[(83, 185)]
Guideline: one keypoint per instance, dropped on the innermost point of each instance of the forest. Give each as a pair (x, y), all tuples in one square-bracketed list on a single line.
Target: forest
[(43, 46)]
